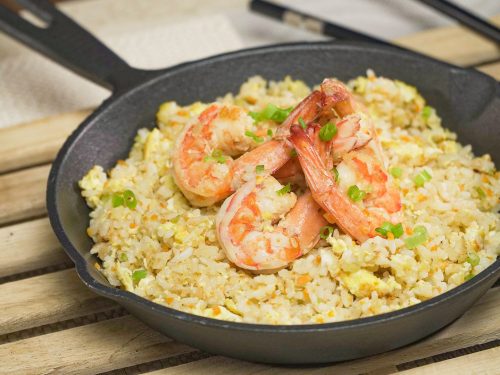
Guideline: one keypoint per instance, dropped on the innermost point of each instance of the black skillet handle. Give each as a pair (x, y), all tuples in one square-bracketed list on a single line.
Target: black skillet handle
[(68, 44)]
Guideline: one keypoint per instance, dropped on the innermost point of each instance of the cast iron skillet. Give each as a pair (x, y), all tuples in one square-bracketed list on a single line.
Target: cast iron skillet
[(468, 101)]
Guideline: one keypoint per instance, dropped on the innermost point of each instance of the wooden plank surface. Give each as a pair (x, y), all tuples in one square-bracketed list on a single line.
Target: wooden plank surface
[(23, 194), (89, 349), (486, 362), (454, 44), (46, 299), (492, 69), (478, 325), (29, 246), (120, 342)]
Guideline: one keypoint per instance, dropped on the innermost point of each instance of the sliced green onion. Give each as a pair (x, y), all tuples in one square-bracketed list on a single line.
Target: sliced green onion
[(473, 259), (397, 230), (271, 112), (396, 172), (421, 178), (285, 189), (259, 168), (269, 132), (216, 156), (327, 132), (117, 200), (326, 232), (480, 192), (418, 238), (130, 199), (139, 275), (302, 123), (123, 257), (176, 219), (336, 174), (426, 112), (293, 153), (385, 228), (254, 136), (355, 193), (469, 276)]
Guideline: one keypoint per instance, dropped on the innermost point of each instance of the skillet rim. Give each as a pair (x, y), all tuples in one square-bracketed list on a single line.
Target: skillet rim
[(81, 264)]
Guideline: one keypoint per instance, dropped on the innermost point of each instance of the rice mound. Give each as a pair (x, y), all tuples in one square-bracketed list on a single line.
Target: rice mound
[(166, 251)]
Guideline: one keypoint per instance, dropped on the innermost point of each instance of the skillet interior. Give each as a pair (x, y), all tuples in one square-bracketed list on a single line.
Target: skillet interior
[(469, 103)]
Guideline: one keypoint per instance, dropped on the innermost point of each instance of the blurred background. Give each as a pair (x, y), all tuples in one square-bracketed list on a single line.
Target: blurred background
[(158, 33)]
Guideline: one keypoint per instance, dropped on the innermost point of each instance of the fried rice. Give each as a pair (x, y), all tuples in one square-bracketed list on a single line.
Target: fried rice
[(165, 250)]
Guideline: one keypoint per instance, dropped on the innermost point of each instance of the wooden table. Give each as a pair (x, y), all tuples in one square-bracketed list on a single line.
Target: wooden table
[(50, 323)]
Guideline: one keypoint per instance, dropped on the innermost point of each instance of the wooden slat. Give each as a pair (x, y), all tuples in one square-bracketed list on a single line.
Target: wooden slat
[(29, 246), (36, 142), (89, 349), (479, 325), (491, 69), (46, 299), (454, 44), (485, 362), (23, 194)]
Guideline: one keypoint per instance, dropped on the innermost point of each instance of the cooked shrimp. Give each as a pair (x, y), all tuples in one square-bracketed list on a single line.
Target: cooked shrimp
[(361, 169), (204, 168), (261, 228)]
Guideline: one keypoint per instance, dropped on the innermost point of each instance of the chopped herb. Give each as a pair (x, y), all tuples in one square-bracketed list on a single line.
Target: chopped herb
[(139, 275), (395, 229), (336, 174), (396, 172), (327, 132), (418, 238), (269, 132), (123, 257), (473, 259), (176, 219), (421, 178), (426, 112), (285, 189), (355, 193), (254, 136), (326, 232), (117, 200), (302, 123), (216, 156), (480, 192), (130, 199), (259, 168), (271, 112), (293, 153)]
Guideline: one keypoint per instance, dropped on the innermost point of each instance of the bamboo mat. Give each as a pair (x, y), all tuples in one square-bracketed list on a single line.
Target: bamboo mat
[(50, 323)]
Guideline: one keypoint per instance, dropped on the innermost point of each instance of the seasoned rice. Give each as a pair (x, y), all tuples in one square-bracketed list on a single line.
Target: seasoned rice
[(167, 251)]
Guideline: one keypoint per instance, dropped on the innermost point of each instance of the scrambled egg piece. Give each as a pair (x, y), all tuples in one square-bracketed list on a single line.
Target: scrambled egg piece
[(362, 283)]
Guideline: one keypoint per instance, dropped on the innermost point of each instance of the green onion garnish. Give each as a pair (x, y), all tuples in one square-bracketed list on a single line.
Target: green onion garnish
[(130, 199), (271, 112), (355, 193), (269, 132), (259, 168), (480, 192), (327, 132), (473, 259), (293, 153), (469, 276), (123, 257), (421, 178), (254, 136), (216, 156), (139, 275), (117, 200), (326, 232), (176, 219), (386, 227), (302, 123), (336, 174), (285, 189), (426, 112), (418, 238), (396, 172)]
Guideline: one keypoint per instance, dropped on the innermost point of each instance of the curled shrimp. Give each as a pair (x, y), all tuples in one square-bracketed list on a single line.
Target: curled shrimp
[(260, 228), (204, 166), (360, 167)]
